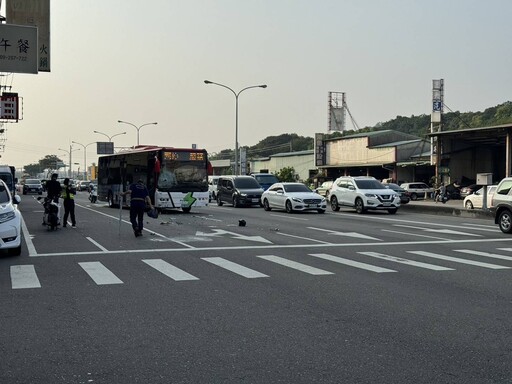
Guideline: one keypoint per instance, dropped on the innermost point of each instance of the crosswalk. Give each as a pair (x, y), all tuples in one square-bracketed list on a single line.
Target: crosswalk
[(26, 277)]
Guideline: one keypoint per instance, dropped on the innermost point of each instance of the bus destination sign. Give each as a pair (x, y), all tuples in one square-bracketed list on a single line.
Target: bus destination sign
[(184, 156)]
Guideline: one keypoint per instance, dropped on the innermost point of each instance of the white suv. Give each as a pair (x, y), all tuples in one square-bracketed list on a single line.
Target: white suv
[(363, 193)]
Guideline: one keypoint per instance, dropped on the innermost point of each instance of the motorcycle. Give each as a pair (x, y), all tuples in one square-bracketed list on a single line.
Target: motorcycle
[(51, 215), (441, 196), (93, 195)]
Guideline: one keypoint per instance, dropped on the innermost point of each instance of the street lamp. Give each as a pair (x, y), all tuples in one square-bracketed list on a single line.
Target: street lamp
[(69, 153), (85, 156), (137, 128), (110, 137), (236, 113)]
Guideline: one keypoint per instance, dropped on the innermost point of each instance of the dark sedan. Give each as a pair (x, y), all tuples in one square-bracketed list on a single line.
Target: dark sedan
[(404, 195), (468, 190)]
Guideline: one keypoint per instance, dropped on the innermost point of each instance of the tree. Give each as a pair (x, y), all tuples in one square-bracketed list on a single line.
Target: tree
[(286, 174), (47, 162)]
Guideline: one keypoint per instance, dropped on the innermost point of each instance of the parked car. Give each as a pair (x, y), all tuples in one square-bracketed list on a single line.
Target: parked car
[(476, 199), (239, 191), (292, 197), (324, 188), (32, 186), (404, 195), (469, 189), (265, 180), (417, 190), (83, 185), (502, 205), (212, 187), (10, 221), (363, 193)]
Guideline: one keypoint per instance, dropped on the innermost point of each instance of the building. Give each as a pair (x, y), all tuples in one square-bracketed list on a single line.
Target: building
[(301, 161)]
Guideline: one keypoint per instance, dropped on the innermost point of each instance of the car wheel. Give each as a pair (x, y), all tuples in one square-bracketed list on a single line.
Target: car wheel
[(266, 206), (392, 211), (235, 202), (334, 204), (219, 201), (469, 205), (505, 221), (288, 206), (14, 251), (359, 206), (414, 197), (186, 209), (321, 210)]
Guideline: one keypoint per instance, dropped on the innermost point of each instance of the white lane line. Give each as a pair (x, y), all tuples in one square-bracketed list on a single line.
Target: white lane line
[(349, 234), (415, 234), (97, 244), (99, 273), (289, 217), (169, 270), (484, 254), (28, 239), (445, 231), (458, 260), (235, 268), (406, 261), (303, 238), (351, 263), (295, 265), (24, 276)]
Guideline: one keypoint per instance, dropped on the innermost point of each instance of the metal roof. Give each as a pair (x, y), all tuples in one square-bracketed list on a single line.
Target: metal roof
[(478, 136)]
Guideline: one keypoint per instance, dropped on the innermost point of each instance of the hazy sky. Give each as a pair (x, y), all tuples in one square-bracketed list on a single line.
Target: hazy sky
[(145, 61)]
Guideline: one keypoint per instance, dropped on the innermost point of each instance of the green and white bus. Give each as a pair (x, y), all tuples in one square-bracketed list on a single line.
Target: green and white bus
[(175, 177)]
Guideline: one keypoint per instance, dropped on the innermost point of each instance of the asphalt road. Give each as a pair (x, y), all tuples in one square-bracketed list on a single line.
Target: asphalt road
[(301, 298)]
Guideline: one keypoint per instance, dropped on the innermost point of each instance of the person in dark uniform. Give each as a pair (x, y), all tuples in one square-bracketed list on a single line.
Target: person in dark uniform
[(139, 197), (53, 188)]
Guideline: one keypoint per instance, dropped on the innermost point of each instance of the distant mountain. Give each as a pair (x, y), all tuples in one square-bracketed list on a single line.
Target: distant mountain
[(414, 125)]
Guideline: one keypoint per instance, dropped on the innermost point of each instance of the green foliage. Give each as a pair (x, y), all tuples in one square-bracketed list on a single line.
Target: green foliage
[(286, 174), (47, 162)]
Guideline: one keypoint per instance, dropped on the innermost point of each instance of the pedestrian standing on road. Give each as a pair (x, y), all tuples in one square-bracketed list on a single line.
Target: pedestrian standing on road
[(69, 203), (53, 188), (139, 198)]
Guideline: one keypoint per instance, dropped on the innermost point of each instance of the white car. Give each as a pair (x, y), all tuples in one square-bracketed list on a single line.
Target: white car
[(10, 221), (212, 187), (475, 200), (363, 193), (292, 197)]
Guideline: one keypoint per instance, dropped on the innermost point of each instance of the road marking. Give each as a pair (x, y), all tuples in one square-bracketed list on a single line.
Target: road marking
[(24, 276), (295, 265), (416, 235), (235, 268), (97, 244), (289, 217), (99, 273), (234, 235), (351, 263), (349, 234), (484, 254), (406, 261), (446, 231), (169, 270), (458, 260), (303, 238), (28, 239)]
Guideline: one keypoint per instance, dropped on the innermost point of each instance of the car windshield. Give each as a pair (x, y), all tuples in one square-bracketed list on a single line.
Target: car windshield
[(369, 184), (296, 188), (266, 179), (32, 181), (246, 183), (394, 187)]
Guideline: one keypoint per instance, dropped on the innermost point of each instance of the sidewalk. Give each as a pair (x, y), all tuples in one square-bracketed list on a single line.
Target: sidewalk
[(450, 208)]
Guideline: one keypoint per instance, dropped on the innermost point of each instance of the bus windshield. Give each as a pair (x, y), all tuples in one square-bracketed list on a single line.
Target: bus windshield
[(183, 171)]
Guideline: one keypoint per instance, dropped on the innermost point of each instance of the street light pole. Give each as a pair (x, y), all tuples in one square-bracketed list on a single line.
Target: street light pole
[(69, 153), (110, 137), (137, 128), (85, 157), (236, 113)]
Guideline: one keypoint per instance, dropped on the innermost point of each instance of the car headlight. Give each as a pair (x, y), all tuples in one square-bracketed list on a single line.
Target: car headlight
[(7, 216), (323, 200), (371, 195), (297, 200), (243, 194)]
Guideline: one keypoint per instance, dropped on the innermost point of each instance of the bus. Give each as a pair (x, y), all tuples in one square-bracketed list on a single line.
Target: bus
[(175, 177)]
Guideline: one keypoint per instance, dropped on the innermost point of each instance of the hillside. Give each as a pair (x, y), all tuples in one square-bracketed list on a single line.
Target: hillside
[(414, 125)]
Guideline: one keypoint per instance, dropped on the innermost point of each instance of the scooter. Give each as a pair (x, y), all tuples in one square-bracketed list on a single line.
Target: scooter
[(93, 195), (51, 216), (441, 197)]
